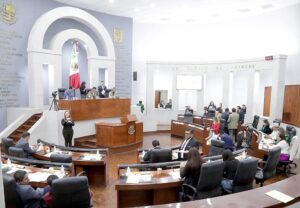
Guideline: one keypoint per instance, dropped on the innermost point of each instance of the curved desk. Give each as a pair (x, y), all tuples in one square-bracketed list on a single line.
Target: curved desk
[(96, 169)]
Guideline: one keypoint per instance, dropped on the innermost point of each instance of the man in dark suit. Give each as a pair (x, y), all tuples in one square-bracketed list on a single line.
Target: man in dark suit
[(187, 144), (23, 144), (156, 145), (30, 197), (102, 90), (241, 114)]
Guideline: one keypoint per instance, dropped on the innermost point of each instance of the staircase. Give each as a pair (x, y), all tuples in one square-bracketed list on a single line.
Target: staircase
[(25, 127)]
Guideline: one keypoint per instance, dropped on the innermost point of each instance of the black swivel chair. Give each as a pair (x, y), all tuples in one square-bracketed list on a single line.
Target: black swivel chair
[(161, 155), (16, 152), (216, 147), (269, 169), (61, 93), (61, 158), (208, 184), (244, 176), (71, 192), (12, 199), (7, 143)]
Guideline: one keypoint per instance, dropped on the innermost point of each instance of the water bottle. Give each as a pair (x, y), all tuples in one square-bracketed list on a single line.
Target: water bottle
[(8, 162), (62, 169), (128, 171)]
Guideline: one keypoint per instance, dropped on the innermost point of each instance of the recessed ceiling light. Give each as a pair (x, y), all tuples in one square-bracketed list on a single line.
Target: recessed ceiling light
[(111, 1), (245, 10), (267, 6), (136, 9)]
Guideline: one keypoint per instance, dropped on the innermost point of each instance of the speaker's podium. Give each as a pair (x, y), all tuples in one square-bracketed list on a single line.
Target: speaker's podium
[(126, 133)]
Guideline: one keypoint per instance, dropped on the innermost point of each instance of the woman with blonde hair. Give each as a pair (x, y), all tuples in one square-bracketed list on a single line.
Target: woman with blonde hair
[(67, 128)]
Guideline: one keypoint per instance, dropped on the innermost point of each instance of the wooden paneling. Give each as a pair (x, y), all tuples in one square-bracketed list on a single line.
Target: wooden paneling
[(96, 108), (157, 99), (267, 101), (291, 106)]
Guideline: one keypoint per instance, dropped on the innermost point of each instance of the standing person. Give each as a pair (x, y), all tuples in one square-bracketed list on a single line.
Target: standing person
[(30, 198), (83, 90), (233, 122), (102, 90), (215, 127), (225, 116), (244, 108), (67, 128), (211, 109), (23, 144), (241, 115), (187, 144)]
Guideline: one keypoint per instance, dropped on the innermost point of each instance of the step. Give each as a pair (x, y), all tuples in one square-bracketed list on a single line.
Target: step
[(90, 142), (84, 145)]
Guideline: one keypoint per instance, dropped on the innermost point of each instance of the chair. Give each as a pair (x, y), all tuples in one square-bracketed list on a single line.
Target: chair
[(61, 92), (269, 169), (161, 155), (244, 176), (61, 158), (216, 147), (255, 121), (16, 152), (7, 143), (209, 182), (71, 192), (12, 199)]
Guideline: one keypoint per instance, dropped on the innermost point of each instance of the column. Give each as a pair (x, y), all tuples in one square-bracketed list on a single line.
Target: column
[(250, 96), (225, 98)]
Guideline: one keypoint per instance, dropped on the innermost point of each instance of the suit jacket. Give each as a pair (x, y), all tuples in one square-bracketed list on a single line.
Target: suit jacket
[(266, 129), (241, 117), (228, 143), (191, 143), (23, 144), (147, 156), (30, 197), (233, 121), (225, 116), (100, 89)]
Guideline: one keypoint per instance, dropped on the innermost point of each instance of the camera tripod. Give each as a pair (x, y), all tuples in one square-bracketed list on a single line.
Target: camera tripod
[(54, 105)]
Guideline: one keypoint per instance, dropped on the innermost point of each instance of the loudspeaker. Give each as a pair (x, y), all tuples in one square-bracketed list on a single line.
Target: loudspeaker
[(135, 76)]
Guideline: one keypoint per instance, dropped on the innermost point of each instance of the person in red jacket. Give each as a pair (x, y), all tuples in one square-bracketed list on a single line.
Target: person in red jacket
[(215, 127)]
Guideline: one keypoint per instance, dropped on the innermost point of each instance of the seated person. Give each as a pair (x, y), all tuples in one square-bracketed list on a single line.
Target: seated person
[(69, 93), (169, 104), (230, 167), (113, 93), (282, 143), (30, 198), (83, 90), (191, 171), (93, 93), (266, 127), (274, 135), (156, 145), (48, 190), (187, 144), (294, 150), (188, 111), (205, 114), (23, 144), (228, 143), (141, 105), (243, 139), (161, 104)]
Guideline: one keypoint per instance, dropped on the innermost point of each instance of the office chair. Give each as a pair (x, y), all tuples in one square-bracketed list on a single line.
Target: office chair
[(16, 152), (216, 147), (7, 143), (161, 155), (12, 199), (61, 158)]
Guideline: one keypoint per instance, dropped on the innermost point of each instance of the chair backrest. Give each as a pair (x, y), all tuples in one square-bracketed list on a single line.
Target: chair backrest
[(7, 143), (61, 158), (245, 175), (71, 192), (61, 92), (16, 152), (255, 121), (216, 147), (291, 132), (210, 179), (161, 155), (269, 169), (12, 199)]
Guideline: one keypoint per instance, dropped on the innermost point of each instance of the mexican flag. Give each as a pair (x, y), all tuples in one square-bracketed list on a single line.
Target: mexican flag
[(74, 78)]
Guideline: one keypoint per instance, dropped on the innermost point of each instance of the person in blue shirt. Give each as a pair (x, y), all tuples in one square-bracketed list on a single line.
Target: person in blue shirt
[(69, 93), (228, 143), (23, 144)]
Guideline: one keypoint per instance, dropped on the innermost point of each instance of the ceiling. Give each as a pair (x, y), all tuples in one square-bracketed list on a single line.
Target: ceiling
[(182, 11)]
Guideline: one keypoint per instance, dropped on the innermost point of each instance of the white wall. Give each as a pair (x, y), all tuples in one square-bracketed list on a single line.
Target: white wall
[(272, 33)]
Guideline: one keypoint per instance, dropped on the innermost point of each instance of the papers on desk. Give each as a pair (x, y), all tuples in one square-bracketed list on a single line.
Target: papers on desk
[(174, 154), (42, 176), (131, 178), (279, 196), (175, 174), (91, 157)]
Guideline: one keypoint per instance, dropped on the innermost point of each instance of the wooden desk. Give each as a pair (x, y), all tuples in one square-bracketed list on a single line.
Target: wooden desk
[(113, 135), (162, 189), (200, 133), (207, 122), (96, 108), (96, 169), (252, 198), (254, 150)]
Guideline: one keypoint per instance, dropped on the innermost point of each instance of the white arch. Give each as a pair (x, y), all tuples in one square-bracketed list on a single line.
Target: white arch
[(40, 27), (37, 55)]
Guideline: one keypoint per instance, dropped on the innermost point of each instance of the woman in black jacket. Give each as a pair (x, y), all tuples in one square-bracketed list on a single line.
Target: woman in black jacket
[(83, 90), (230, 167), (67, 129), (266, 127)]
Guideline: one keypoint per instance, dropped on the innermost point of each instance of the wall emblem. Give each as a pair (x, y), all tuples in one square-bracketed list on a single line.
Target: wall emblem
[(118, 35), (8, 13), (131, 129)]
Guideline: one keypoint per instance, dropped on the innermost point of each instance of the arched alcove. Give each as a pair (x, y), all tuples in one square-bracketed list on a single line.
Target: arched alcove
[(52, 56)]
